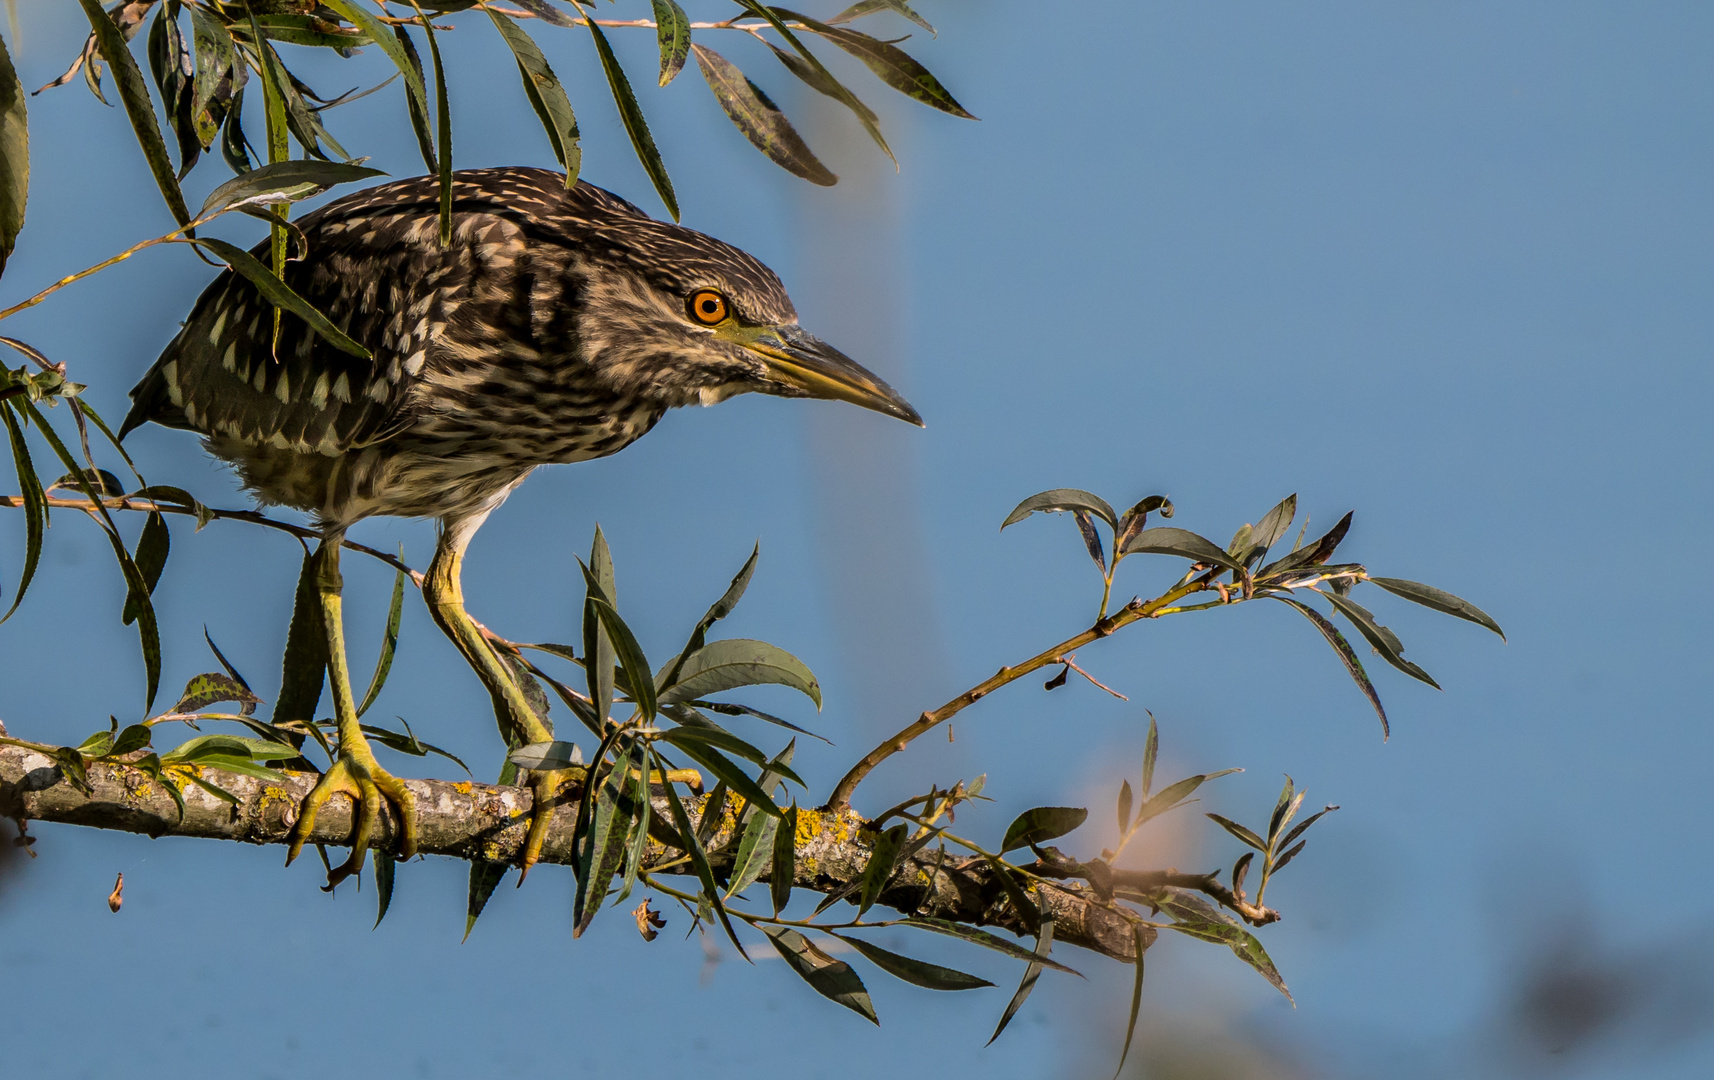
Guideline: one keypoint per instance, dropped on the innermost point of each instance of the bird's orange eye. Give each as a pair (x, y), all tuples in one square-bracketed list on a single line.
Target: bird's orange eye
[(708, 307)]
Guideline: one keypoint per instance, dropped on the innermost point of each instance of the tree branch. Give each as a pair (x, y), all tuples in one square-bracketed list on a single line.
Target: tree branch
[(486, 822)]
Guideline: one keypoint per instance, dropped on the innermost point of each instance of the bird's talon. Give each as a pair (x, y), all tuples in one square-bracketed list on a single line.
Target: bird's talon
[(367, 785)]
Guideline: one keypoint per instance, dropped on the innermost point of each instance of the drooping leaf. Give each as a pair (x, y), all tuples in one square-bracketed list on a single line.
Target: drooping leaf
[(699, 862), (546, 95), (290, 180), (376, 31), (1244, 834), (864, 115), (1136, 1001), (832, 979), (756, 116), (134, 94), (883, 858), (1062, 499), (151, 558), (986, 940), (281, 295), (631, 114), (1347, 656), (389, 644), (304, 666), (735, 662), (672, 29), (870, 7), (1044, 944), (216, 71), (234, 146), (383, 883), (1381, 639), (14, 156), (1042, 824), (420, 123), (1440, 600), (35, 506), (917, 972), (1091, 539), (891, 64), (783, 868), (1197, 918), (1165, 540), (1026, 908), (816, 80), (485, 877)]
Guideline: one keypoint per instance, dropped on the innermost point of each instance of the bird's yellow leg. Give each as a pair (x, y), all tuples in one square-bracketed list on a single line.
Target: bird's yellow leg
[(444, 592), (356, 772)]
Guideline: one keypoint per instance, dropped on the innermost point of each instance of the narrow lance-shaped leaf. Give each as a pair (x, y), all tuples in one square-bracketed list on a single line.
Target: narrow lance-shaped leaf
[(631, 658), (304, 666), (1199, 919), (918, 972), (985, 939), (1136, 1001), (281, 295), (1059, 499), (389, 643), (1274, 525), (1440, 600), (754, 114), (1314, 554), (35, 506), (1173, 794), (1151, 750), (723, 768), (870, 7), (832, 979), (1347, 656), (134, 93), (14, 156), (292, 180), (376, 30), (632, 114), (1381, 639), (216, 60), (782, 870), (1044, 944), (1165, 540), (879, 869), (1244, 834), (151, 558), (735, 662), (546, 95), (1124, 807), (384, 864), (891, 64), (672, 29), (862, 112), (699, 861), (419, 119), (717, 611), (598, 652), (815, 80)]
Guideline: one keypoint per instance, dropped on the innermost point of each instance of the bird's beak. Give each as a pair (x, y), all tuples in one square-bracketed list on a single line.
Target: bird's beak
[(799, 364)]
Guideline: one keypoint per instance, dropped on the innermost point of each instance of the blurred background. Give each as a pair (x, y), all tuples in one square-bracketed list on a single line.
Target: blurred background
[(1448, 265)]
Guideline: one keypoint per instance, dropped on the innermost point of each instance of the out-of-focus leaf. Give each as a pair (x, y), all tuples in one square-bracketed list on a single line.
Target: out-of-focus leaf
[(134, 93), (832, 979), (547, 756), (290, 180), (14, 157), (1381, 639), (1062, 499), (1164, 540), (816, 80), (1244, 834), (735, 662), (205, 690), (35, 506), (883, 857), (1124, 806), (891, 64), (305, 663), (1151, 750), (215, 69), (1042, 824), (1136, 1001), (1347, 656), (1303, 826), (672, 28), (1173, 794), (1197, 918), (1026, 908), (279, 294), (546, 95), (234, 146), (862, 112), (389, 644), (754, 114), (870, 7), (151, 559), (783, 868), (986, 940), (917, 972), (1044, 944), (1440, 600), (632, 114)]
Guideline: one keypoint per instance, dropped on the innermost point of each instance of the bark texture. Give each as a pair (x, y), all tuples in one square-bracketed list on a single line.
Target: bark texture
[(466, 820)]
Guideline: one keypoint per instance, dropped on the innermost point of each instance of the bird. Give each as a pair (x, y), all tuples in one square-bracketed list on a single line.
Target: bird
[(559, 324)]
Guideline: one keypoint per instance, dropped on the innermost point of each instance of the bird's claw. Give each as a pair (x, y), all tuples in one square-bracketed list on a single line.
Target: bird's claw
[(367, 784), (544, 789)]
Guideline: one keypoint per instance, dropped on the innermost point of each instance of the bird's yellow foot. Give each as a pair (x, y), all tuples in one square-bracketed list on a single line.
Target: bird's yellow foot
[(360, 776), (544, 788)]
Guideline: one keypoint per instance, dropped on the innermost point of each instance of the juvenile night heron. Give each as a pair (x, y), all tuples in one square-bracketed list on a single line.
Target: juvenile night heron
[(558, 326)]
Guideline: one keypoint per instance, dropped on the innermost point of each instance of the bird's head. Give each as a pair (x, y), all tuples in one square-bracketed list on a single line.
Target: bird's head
[(673, 315)]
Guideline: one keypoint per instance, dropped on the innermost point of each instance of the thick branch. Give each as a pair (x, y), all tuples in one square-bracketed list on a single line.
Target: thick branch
[(486, 822)]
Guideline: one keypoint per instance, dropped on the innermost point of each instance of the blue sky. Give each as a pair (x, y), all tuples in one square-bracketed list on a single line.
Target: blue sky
[(1446, 265)]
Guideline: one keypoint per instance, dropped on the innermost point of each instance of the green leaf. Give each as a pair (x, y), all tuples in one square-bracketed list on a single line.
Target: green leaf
[(287, 105), (1026, 908), (864, 115), (1302, 826), (719, 610), (832, 979), (234, 147), (1274, 524), (1136, 1001), (636, 666), (134, 93), (1042, 824), (288, 180), (753, 851), (304, 665), (1173, 794), (485, 877), (137, 736), (1245, 835), (549, 756), (598, 652), (891, 64), (1347, 656), (376, 31), (546, 95), (279, 294), (762, 122), (916, 972), (71, 766), (151, 559), (1044, 944), (35, 506), (97, 745), (1124, 806), (1313, 555), (419, 119), (389, 644), (1151, 750), (870, 7), (782, 870), (384, 863), (204, 690), (1440, 600), (215, 59), (639, 844), (632, 115), (986, 940), (735, 662), (699, 729), (722, 767), (1062, 499), (408, 743), (14, 156), (883, 859), (672, 28), (699, 861), (1197, 918), (726, 708), (1182, 542), (1381, 639), (817, 81), (598, 848)]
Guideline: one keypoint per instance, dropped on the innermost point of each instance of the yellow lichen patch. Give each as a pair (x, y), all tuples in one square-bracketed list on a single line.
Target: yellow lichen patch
[(491, 852), (463, 787), (808, 826)]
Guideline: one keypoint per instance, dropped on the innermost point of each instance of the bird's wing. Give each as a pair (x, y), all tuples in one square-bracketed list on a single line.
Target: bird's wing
[(375, 268)]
